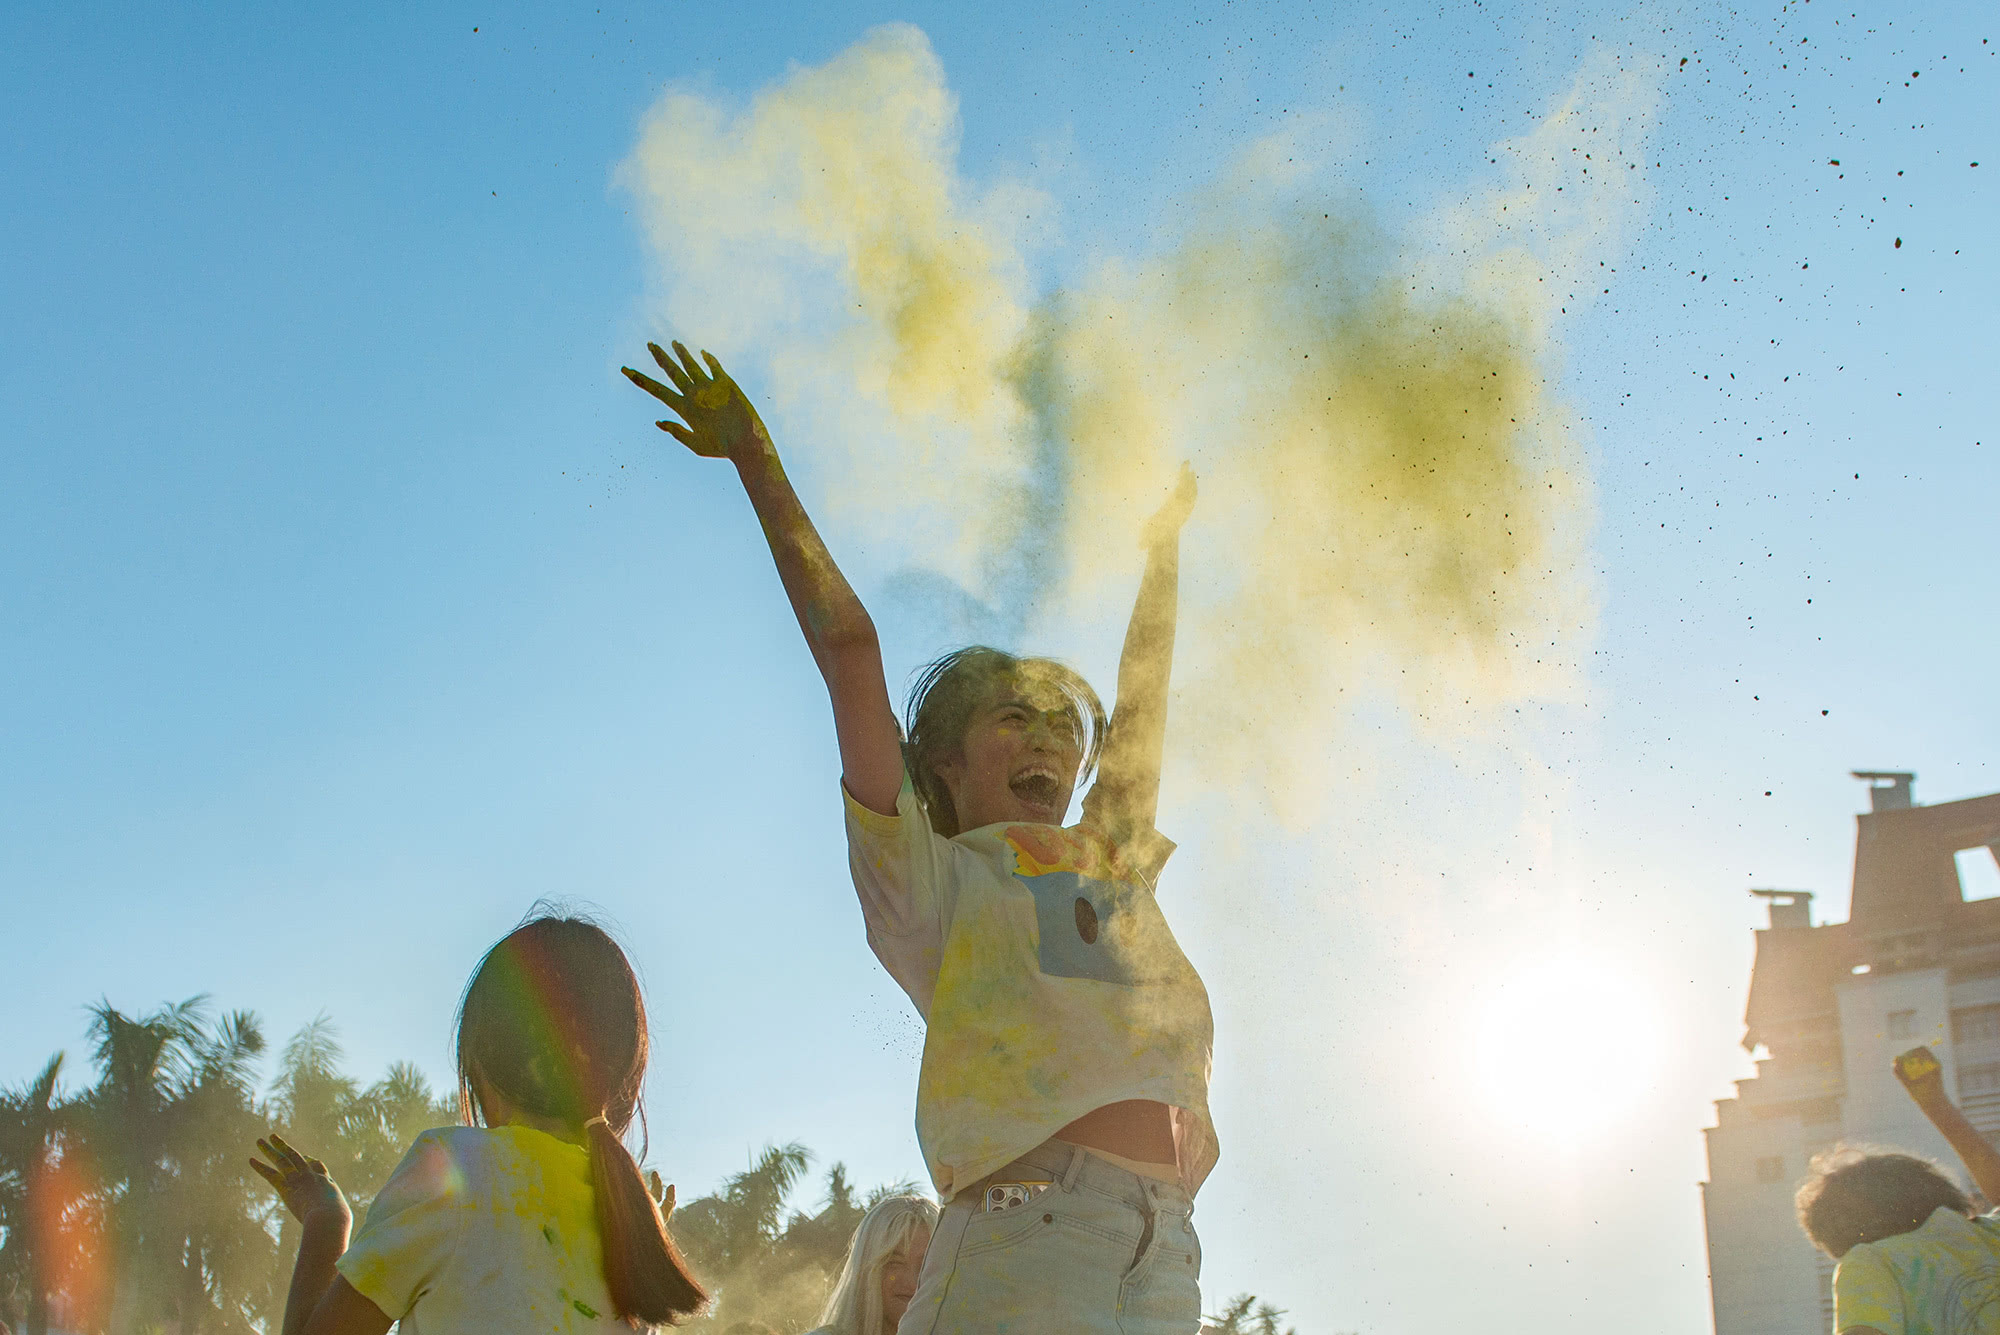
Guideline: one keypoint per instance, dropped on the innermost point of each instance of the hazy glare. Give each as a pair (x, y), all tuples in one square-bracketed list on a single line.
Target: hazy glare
[(1595, 427)]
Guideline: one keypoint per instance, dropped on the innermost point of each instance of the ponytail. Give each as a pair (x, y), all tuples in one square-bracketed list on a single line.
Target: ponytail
[(553, 1019), (649, 1281)]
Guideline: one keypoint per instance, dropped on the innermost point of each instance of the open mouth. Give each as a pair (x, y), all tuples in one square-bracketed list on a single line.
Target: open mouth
[(1038, 786)]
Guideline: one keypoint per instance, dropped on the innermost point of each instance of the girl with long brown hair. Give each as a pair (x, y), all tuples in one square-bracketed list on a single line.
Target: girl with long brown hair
[(532, 1216)]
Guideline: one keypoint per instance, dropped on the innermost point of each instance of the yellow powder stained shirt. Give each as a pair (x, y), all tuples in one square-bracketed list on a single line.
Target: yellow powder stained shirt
[(1049, 982), (1942, 1278), (484, 1229)]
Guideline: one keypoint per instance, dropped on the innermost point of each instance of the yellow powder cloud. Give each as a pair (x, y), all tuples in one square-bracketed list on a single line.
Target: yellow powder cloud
[(826, 223), (1394, 496)]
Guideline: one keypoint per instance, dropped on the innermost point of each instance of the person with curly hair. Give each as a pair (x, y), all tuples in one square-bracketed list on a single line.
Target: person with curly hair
[(1915, 1256)]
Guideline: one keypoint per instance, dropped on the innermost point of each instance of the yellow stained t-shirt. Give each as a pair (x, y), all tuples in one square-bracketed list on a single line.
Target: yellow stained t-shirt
[(1942, 1278), (484, 1229), (1049, 982)]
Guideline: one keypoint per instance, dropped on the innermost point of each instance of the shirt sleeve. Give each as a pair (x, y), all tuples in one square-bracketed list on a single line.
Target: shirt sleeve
[(411, 1229), (1865, 1293), (904, 873)]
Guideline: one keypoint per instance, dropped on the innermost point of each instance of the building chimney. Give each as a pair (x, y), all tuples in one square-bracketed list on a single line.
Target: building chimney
[(1888, 790), (1789, 908)]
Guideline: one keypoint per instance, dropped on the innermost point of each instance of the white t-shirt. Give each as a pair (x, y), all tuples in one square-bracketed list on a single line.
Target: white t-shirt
[(1049, 982), (483, 1230)]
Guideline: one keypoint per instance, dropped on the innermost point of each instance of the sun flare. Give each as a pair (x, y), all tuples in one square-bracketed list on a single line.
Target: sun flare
[(1565, 1045)]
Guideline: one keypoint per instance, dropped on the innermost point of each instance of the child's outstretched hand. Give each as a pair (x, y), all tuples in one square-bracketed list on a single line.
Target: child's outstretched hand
[(302, 1184), (1922, 1075), (721, 423), (1165, 525)]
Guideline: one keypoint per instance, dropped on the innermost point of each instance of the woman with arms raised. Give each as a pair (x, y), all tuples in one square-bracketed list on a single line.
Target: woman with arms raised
[(1062, 1104)]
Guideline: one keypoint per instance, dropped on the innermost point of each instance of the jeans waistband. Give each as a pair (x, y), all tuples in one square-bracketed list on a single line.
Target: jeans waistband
[(1072, 1165)]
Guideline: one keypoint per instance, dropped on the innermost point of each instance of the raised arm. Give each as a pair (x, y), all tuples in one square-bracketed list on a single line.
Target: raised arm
[(1923, 1078), (720, 423), (319, 1301), (1126, 796)]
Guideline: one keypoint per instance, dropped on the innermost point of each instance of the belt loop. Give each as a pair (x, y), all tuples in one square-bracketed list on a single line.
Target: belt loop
[(1075, 1167)]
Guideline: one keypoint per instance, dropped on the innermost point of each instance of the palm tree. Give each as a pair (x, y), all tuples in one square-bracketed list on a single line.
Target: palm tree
[(378, 1125), (1246, 1316), (225, 1255), (360, 1134), (732, 1240), (821, 1239), (131, 1207), (167, 1128), (402, 1104), (740, 1223), (767, 1265), (141, 1062), (30, 1205)]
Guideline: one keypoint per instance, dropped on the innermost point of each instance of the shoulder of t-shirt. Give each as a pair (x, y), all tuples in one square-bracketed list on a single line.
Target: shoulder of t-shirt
[(873, 821), (1943, 1228), (1863, 1274), (442, 1162), (1869, 1255)]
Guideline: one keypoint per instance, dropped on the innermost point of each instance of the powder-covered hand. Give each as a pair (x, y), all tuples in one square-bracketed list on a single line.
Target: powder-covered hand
[(721, 422), (1922, 1075), (1165, 525), (302, 1184)]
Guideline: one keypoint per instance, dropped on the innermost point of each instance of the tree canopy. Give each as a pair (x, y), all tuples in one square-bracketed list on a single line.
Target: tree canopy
[(128, 1207)]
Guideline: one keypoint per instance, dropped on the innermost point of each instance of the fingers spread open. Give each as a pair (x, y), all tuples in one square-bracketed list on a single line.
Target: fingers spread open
[(655, 388), (707, 448), (695, 374), (715, 367), (674, 372)]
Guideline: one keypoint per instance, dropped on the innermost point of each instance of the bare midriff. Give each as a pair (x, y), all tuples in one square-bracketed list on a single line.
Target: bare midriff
[(1136, 1129)]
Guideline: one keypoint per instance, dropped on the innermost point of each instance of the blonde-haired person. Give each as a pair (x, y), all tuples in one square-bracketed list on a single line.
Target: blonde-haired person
[(880, 1275)]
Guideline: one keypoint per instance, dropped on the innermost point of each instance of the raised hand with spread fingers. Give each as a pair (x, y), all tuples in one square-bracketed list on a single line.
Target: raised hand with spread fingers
[(303, 1184), (319, 1301), (718, 421), (721, 422)]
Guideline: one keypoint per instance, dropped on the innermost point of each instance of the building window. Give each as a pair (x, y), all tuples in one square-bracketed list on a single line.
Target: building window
[(1771, 1169), (1972, 1024), (1902, 1024), (1983, 1078)]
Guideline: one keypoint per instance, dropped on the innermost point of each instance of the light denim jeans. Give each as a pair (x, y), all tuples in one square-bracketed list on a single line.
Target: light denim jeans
[(1100, 1249)]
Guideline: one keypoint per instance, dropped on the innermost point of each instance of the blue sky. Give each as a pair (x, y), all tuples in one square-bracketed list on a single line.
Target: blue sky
[(352, 603)]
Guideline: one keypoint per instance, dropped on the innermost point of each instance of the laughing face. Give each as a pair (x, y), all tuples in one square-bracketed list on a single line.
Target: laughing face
[(1019, 759)]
